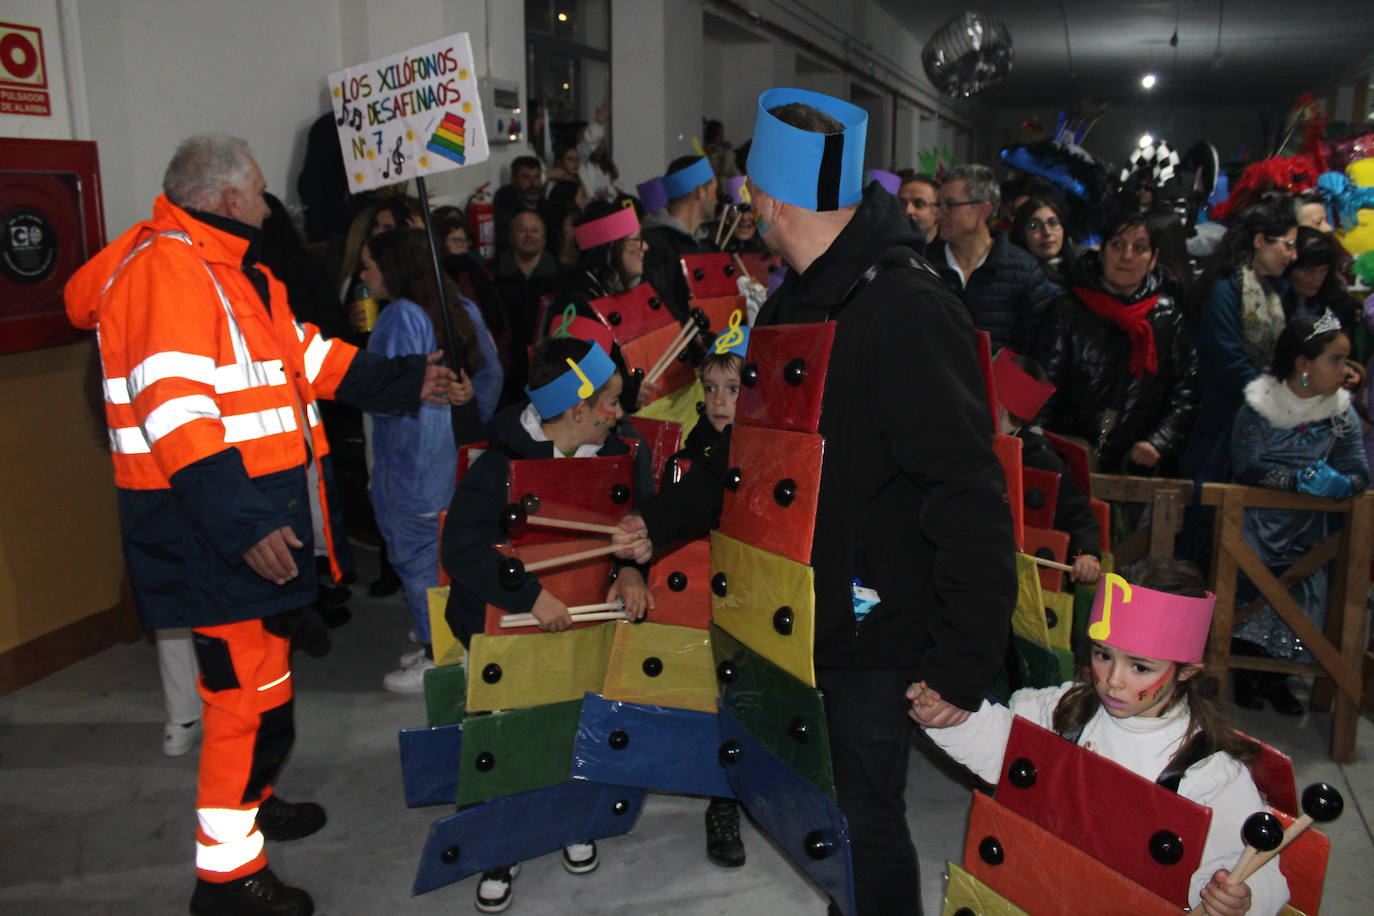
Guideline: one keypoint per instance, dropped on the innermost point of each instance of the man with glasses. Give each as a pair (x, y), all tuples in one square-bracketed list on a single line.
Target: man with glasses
[(918, 197), (1002, 285)]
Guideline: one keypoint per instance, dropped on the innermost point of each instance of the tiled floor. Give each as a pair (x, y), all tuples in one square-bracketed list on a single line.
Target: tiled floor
[(94, 820)]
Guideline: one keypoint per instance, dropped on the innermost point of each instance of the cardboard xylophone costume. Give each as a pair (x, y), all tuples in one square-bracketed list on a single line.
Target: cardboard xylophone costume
[(1106, 820)]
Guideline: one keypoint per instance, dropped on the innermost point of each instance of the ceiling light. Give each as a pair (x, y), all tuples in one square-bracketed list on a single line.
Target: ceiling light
[(566, 86), (562, 17), (1146, 140), (1149, 80)]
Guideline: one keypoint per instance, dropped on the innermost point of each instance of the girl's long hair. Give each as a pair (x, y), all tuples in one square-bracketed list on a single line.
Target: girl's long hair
[(1237, 247), (403, 257), (1209, 715)]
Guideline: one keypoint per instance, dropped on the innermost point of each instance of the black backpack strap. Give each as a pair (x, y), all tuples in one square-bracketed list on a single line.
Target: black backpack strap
[(910, 261), (1199, 748)]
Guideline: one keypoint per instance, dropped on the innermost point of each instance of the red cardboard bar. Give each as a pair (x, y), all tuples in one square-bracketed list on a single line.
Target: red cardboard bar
[(784, 376), (664, 438), (773, 507), (633, 313), (680, 581), (581, 490), (710, 275), (1008, 451), (1048, 545), (586, 582), (642, 352), (1040, 492), (1080, 797)]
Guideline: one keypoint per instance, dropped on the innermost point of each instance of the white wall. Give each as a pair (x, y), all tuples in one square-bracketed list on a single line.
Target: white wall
[(159, 70)]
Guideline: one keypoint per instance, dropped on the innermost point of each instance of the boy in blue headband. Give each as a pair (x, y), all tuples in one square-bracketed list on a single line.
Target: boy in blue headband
[(573, 409), (675, 230)]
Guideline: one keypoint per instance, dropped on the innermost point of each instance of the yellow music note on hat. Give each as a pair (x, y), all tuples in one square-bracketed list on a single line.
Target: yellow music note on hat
[(731, 337), (1103, 628), (584, 390)]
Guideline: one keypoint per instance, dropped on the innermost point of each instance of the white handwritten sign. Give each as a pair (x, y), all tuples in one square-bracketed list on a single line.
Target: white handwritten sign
[(410, 114)]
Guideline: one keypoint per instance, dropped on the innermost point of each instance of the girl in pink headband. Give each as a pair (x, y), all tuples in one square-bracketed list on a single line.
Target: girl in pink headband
[(1142, 699)]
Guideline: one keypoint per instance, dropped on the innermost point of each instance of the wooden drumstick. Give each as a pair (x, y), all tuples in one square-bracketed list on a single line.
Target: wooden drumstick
[(1320, 802), (666, 360), (1041, 561), (739, 214), (610, 610), (517, 517), (1261, 832)]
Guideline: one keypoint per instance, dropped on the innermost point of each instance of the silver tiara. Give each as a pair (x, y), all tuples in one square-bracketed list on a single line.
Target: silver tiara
[(1327, 322)]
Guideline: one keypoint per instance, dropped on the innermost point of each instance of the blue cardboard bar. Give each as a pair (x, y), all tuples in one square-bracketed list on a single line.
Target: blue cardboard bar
[(804, 821), (521, 827), (429, 764), (652, 747)]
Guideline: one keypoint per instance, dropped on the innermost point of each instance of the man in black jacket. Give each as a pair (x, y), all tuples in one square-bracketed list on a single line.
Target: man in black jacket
[(911, 495), (1003, 286)]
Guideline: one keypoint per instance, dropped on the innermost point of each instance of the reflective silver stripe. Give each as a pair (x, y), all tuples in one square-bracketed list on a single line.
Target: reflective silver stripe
[(312, 414), (169, 415), (117, 391), (244, 426), (314, 356), (179, 236), (235, 333), (236, 842), (238, 376), (129, 440), (170, 364)]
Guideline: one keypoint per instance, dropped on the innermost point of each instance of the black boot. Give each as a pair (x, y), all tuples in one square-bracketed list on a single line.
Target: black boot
[(280, 820), (723, 844), (259, 894), (1273, 686), (1247, 689)]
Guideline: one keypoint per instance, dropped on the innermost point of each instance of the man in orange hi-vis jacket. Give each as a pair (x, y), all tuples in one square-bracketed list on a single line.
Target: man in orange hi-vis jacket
[(210, 389)]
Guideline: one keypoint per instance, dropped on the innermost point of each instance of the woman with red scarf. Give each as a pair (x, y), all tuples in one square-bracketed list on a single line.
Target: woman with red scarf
[(1120, 354)]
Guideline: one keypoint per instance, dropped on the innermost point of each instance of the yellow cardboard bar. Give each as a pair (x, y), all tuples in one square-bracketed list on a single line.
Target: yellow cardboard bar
[(678, 406), (447, 649), (966, 893), (758, 585), (661, 665), (1028, 619), (1062, 605), (512, 672)]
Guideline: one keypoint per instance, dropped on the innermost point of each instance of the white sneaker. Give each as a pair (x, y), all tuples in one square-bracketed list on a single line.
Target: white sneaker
[(411, 658), (495, 889), (179, 740), (409, 678), (580, 858)]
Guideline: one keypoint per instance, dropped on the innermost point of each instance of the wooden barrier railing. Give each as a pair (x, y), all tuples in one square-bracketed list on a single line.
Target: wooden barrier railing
[(1166, 499), (1339, 651)]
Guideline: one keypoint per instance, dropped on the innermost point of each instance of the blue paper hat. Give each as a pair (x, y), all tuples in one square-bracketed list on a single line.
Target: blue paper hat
[(734, 339), (577, 384), (804, 168), (685, 181)]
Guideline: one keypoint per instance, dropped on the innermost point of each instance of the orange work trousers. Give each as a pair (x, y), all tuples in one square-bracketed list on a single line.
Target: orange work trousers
[(245, 686)]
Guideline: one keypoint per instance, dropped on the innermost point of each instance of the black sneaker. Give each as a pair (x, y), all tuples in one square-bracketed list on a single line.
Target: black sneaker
[(280, 820), (496, 887), (723, 844), (259, 894)]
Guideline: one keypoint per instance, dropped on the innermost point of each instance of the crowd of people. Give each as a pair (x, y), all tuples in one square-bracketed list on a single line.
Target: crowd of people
[(1241, 364)]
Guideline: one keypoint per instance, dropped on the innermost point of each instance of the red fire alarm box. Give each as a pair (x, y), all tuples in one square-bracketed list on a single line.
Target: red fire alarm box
[(51, 222)]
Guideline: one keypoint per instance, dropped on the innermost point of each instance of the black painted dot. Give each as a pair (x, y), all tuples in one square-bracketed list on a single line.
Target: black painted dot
[(749, 375), (816, 845), (718, 585), (782, 621), (785, 491), (491, 673), (618, 740), (653, 667), (794, 373), (450, 855), (620, 807), (1022, 773), (1166, 847), (1035, 498), (799, 730), (620, 494), (677, 581), (730, 753), (726, 672), (990, 851), (485, 761), (614, 318)]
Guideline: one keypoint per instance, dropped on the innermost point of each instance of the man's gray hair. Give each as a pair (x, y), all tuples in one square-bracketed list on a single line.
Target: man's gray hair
[(203, 167), (980, 183)]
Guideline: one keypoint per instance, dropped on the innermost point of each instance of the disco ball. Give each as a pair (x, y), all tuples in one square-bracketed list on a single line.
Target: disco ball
[(968, 54)]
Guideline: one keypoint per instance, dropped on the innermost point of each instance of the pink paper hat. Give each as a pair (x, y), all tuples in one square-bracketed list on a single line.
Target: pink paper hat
[(1017, 391), (734, 190), (891, 182), (607, 229), (1149, 623)]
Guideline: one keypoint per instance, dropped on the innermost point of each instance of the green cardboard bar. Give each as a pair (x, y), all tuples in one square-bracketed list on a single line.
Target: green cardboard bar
[(446, 691), (517, 750), (783, 714)]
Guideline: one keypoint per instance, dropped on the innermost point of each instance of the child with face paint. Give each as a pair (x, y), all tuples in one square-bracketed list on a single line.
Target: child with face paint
[(572, 412), (1142, 700)]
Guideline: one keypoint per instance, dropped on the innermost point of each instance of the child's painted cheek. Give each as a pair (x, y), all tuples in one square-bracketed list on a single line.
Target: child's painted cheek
[(1152, 692), (606, 414)]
